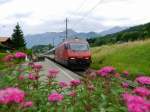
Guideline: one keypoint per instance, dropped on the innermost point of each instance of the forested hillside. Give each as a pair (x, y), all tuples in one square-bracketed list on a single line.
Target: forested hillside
[(139, 32), (41, 48)]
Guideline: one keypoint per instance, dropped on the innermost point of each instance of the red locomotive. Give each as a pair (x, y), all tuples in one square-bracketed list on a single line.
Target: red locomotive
[(73, 53)]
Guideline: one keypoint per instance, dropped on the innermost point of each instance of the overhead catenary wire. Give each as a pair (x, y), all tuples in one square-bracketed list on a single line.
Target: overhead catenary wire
[(81, 6), (77, 10), (91, 10), (87, 14)]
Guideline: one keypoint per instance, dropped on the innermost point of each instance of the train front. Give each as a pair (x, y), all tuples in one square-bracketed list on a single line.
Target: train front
[(79, 55)]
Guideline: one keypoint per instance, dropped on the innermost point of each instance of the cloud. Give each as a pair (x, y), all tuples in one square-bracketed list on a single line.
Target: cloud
[(4, 1), (22, 15), (49, 15)]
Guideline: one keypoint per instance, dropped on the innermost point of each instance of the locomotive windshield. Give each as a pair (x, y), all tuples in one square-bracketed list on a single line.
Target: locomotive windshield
[(79, 47)]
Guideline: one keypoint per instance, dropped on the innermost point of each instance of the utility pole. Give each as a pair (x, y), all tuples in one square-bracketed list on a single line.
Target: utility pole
[(66, 28)]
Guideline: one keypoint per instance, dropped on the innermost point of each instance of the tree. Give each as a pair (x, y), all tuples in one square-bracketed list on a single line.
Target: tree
[(50, 46), (18, 38)]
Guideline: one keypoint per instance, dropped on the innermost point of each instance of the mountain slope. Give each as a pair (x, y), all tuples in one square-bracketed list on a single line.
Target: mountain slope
[(57, 37), (112, 30), (138, 32)]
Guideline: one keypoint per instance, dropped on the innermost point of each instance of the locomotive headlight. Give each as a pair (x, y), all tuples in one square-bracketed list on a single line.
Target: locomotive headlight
[(87, 58), (72, 58)]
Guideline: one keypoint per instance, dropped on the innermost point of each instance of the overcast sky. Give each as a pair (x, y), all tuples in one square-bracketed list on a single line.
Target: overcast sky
[(37, 16)]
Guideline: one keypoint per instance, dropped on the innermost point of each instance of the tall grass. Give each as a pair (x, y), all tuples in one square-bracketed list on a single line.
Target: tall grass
[(131, 56), (1, 62)]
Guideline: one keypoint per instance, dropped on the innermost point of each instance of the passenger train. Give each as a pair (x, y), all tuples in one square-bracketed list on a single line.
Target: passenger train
[(73, 53)]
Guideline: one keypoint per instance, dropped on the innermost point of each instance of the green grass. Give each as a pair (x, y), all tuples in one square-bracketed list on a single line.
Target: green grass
[(2, 55), (131, 56), (1, 63)]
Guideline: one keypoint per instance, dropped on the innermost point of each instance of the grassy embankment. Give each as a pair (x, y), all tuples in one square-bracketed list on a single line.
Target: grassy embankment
[(132, 56)]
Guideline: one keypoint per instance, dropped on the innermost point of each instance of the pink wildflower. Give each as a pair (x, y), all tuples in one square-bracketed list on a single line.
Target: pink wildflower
[(20, 55), (21, 77), (27, 104), (31, 64), (93, 74), (75, 82), (11, 95), (138, 107), (143, 80), (37, 66), (142, 91), (91, 87), (63, 84), (126, 73), (20, 70), (55, 97), (136, 103), (32, 77), (125, 85), (117, 75), (128, 98), (105, 71), (8, 58), (72, 94), (52, 73)]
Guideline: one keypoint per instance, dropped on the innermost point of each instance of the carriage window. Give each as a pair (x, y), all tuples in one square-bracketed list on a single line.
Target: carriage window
[(79, 47)]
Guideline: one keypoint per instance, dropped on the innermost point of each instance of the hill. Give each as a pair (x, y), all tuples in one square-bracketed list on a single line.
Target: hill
[(132, 56), (57, 37), (112, 30), (139, 32), (54, 37), (41, 48)]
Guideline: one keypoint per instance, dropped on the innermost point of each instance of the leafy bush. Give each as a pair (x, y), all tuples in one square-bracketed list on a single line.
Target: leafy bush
[(28, 51)]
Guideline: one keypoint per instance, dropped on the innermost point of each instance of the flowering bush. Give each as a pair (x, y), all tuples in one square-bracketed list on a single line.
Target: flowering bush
[(142, 91), (55, 97), (21, 77), (8, 58), (33, 77), (11, 95), (72, 94), (20, 55), (27, 104), (126, 73), (136, 103), (105, 71), (143, 80), (25, 90), (63, 84), (138, 99), (52, 73), (125, 84), (36, 66), (75, 83)]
